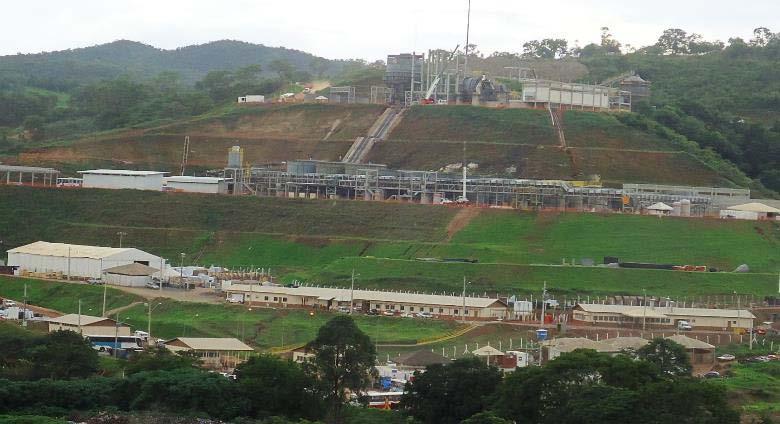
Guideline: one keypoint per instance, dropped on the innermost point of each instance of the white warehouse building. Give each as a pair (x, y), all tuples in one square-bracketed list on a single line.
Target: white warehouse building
[(121, 179), (74, 260), (212, 185)]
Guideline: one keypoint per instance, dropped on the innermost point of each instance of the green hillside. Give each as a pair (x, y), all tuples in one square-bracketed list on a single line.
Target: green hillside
[(324, 240)]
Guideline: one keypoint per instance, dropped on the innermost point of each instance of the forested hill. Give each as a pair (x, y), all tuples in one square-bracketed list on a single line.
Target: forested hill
[(66, 69)]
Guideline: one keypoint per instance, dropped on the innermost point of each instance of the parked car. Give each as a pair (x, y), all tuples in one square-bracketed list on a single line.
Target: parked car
[(344, 309), (424, 315), (388, 313), (372, 312), (726, 357), (96, 281), (711, 374), (684, 325), (8, 303), (152, 286)]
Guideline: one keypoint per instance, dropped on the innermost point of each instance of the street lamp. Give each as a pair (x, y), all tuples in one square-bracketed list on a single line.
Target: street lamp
[(464, 297), (181, 269), (149, 319), (121, 235)]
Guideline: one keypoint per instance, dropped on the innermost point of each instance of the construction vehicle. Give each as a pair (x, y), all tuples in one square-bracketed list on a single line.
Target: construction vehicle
[(429, 98)]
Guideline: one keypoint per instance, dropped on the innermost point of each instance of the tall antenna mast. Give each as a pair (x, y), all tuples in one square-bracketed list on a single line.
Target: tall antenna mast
[(468, 25)]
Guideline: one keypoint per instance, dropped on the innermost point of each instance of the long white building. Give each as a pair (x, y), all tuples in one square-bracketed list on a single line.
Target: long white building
[(74, 260), (397, 302), (123, 179)]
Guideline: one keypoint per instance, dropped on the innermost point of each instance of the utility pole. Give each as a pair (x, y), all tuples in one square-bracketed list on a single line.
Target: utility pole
[(79, 320), (644, 310), (544, 301), (105, 289), (24, 311), (181, 270), (468, 28), (68, 263), (352, 293), (464, 299), (116, 337)]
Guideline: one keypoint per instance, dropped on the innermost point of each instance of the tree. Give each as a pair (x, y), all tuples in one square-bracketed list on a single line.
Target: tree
[(685, 400), (548, 48), (451, 393), (609, 44), (485, 418), (676, 41), (64, 354), (283, 68), (272, 386), (319, 66), (344, 358), (154, 359), (218, 85), (761, 37), (668, 356)]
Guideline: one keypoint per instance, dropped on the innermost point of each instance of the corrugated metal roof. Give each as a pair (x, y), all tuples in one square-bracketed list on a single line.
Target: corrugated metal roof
[(13, 168), (754, 207), (569, 344), (73, 319), (212, 343), (487, 351), (343, 295), (617, 344), (64, 250), (674, 311), (197, 180), (690, 343), (125, 172), (134, 269)]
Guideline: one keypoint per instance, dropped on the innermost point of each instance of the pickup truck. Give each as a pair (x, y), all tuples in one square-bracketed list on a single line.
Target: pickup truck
[(684, 325)]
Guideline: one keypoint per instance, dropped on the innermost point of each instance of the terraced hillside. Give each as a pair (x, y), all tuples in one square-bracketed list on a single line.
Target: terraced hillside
[(324, 240), (267, 133), (522, 143)]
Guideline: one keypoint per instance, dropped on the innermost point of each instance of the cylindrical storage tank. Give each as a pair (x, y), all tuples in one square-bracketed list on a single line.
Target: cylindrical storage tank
[(685, 207), (379, 195), (676, 208), (235, 157)]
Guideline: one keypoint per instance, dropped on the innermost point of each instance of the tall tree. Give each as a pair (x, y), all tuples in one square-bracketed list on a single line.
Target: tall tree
[(344, 358), (282, 68), (609, 44), (670, 357), (63, 355), (450, 393)]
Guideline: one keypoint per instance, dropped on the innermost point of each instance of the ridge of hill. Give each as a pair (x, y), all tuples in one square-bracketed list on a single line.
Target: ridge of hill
[(68, 68)]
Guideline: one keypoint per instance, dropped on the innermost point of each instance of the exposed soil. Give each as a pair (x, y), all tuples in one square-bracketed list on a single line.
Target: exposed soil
[(461, 220)]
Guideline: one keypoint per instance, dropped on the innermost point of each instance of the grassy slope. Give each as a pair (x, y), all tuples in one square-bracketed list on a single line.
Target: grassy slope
[(65, 297), (432, 137), (756, 385), (323, 240)]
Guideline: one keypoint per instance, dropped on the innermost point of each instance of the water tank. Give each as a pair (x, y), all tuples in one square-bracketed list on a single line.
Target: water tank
[(541, 334), (685, 207), (235, 157), (676, 208)]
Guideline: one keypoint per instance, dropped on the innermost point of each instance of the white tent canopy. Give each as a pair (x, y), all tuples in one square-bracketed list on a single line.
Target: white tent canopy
[(754, 207), (660, 206)]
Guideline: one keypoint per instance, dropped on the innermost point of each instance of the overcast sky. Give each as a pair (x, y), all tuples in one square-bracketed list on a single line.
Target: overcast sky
[(368, 29)]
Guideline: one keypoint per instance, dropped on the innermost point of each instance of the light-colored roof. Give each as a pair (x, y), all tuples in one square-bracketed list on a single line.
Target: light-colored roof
[(73, 319), (212, 343), (616, 344), (569, 344), (64, 250), (125, 172), (343, 295), (197, 180), (320, 98), (754, 207), (644, 313), (660, 206), (134, 269), (487, 351), (637, 311), (690, 343), (12, 168)]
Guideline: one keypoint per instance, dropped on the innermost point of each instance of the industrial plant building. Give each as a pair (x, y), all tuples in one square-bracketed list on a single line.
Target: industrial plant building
[(89, 325), (213, 352), (656, 316), (75, 261), (397, 302), (123, 179), (187, 184)]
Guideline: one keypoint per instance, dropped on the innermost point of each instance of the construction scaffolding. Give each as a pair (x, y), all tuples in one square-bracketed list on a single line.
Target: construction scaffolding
[(345, 94)]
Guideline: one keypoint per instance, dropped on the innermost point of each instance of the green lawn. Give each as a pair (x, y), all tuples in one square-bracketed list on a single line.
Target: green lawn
[(756, 385), (64, 297), (265, 328)]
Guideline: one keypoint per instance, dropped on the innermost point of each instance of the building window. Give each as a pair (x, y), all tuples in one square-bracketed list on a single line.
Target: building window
[(266, 298), (402, 307), (466, 312), (411, 309), (276, 299), (456, 312), (387, 306), (441, 310), (284, 299), (430, 310)]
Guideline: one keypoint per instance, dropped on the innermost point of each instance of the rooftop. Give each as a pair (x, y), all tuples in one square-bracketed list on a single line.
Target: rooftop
[(123, 172), (661, 312), (199, 180), (134, 269), (68, 250), (569, 344), (73, 319), (212, 343), (31, 169), (690, 343), (754, 207), (617, 344), (344, 295), (421, 358)]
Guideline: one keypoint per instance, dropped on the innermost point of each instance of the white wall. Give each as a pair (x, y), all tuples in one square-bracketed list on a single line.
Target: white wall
[(137, 182), (79, 267), (127, 280), (218, 188), (739, 214)]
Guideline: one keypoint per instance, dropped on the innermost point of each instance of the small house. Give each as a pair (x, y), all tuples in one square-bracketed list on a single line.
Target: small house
[(213, 352), (130, 275)]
